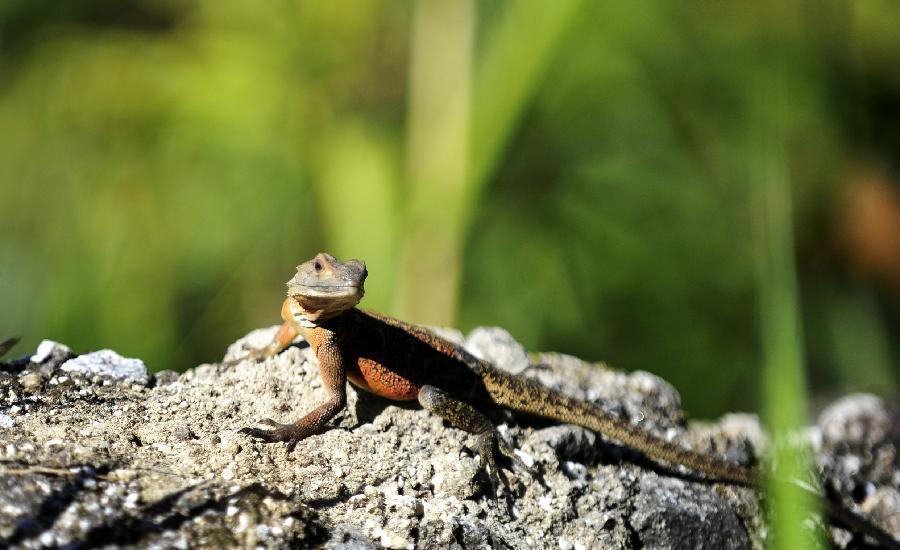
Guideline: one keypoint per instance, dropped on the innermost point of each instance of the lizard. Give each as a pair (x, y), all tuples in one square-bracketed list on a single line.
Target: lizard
[(401, 361), (406, 362)]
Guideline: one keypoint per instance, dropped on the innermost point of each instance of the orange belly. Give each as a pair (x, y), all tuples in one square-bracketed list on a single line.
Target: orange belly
[(375, 378)]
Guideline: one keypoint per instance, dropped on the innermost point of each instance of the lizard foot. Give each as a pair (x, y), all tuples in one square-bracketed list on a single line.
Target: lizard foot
[(486, 450), (489, 443), (291, 433), (509, 453), (503, 497)]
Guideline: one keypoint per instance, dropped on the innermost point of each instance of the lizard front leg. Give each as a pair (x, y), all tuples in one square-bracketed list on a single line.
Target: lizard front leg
[(466, 417), (334, 379)]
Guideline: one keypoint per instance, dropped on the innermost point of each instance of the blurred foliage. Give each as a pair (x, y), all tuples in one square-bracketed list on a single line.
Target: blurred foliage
[(164, 164)]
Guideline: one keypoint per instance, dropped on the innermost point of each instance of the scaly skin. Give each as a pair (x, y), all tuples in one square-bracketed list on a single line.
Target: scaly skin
[(405, 362)]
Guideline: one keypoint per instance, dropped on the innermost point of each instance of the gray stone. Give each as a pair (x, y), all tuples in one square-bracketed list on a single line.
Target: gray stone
[(497, 346), (858, 439), (163, 465), (671, 514), (30, 381), (48, 349), (108, 366)]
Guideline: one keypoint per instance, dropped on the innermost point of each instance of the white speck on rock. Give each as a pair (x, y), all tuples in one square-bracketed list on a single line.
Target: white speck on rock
[(45, 348), (392, 540), (164, 448), (851, 463), (545, 502), (132, 500), (6, 421), (108, 365), (11, 510), (243, 523)]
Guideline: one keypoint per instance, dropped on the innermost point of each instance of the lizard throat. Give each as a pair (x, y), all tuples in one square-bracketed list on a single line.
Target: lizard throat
[(311, 312)]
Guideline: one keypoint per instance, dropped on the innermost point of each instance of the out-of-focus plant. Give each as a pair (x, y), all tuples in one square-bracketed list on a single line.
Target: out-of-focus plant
[(572, 171), (783, 377), (458, 129)]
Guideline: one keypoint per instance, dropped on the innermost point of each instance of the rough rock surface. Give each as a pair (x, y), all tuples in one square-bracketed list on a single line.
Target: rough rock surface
[(95, 452)]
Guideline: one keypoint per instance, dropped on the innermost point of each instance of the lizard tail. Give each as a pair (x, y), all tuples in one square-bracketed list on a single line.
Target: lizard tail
[(524, 395)]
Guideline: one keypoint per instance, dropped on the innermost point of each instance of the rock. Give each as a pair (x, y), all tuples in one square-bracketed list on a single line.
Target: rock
[(672, 514), (164, 377), (857, 422), (497, 346), (129, 463), (50, 352), (108, 366), (858, 440), (30, 381)]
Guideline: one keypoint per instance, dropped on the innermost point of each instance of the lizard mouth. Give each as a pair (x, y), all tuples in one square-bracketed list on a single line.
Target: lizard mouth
[(320, 302), (325, 291)]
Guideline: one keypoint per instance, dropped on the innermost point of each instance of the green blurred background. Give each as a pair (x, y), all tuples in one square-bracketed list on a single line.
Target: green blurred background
[(584, 174)]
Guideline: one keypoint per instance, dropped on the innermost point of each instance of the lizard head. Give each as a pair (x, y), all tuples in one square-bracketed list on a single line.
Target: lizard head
[(325, 287)]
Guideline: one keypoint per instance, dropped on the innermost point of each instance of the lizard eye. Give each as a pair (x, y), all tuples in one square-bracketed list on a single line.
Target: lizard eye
[(317, 266)]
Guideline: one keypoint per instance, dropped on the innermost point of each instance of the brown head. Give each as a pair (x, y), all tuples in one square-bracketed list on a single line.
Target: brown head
[(325, 287)]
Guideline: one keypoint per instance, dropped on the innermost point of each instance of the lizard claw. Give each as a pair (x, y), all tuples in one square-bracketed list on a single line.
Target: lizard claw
[(289, 433), (517, 461), (501, 489), (487, 450)]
